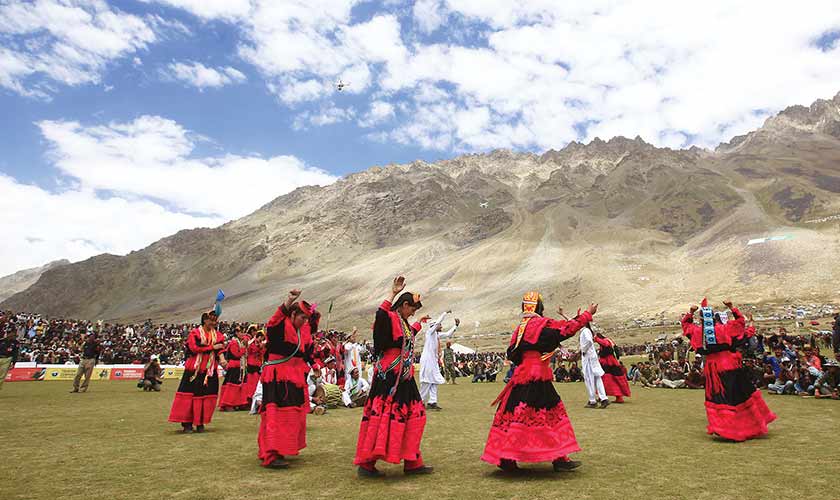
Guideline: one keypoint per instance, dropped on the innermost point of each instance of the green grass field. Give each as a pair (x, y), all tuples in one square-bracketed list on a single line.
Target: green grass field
[(114, 442)]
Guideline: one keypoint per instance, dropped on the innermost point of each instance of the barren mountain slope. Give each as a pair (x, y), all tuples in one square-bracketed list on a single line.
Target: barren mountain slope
[(642, 230)]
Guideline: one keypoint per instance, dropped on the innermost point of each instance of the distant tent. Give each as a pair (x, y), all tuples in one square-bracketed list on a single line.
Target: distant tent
[(460, 349)]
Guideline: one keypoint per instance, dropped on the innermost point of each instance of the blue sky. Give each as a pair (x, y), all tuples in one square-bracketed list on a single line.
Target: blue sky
[(116, 111)]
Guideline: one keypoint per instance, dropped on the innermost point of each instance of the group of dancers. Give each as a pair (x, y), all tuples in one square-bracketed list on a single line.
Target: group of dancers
[(530, 424)]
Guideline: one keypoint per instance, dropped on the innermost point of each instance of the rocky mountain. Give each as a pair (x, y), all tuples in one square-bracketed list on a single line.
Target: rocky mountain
[(21, 280), (640, 229)]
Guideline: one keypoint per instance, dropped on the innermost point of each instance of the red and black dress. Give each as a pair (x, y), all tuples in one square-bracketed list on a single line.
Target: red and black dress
[(394, 416), (196, 397), (734, 406), (531, 424), (285, 401), (615, 375), (254, 361), (233, 396)]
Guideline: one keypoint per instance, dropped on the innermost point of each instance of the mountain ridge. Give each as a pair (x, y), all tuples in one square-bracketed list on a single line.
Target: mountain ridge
[(639, 228)]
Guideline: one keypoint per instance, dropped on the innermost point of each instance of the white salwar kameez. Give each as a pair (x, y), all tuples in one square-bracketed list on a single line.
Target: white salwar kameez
[(353, 388), (430, 376), (590, 367)]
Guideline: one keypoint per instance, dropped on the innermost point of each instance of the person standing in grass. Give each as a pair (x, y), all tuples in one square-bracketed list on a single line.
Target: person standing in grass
[(8, 353), (195, 399), (531, 424), (734, 406), (430, 361), (90, 355), (233, 397), (254, 361), (393, 418), (615, 375), (285, 395), (592, 370)]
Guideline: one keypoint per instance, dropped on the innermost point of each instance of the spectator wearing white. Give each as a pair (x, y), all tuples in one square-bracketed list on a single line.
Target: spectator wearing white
[(592, 371), (356, 390)]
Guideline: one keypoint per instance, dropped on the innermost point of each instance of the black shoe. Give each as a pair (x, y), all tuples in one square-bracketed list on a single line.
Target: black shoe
[(433, 406), (605, 403), (186, 428), (423, 469), (591, 405), (370, 473), (279, 463), (564, 465), (200, 428), (508, 465)]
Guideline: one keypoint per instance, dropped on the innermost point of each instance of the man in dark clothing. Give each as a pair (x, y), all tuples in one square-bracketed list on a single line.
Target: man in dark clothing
[(8, 353), (90, 355), (835, 335)]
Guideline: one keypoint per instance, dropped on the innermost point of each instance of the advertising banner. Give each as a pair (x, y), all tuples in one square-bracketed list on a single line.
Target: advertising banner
[(131, 373), (25, 374)]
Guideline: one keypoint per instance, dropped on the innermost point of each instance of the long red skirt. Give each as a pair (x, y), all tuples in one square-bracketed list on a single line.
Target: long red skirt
[(615, 377), (735, 408), (283, 412), (232, 395), (392, 426), (252, 378), (195, 401), (531, 423)]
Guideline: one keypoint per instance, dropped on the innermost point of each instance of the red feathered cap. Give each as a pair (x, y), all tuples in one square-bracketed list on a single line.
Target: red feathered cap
[(705, 303)]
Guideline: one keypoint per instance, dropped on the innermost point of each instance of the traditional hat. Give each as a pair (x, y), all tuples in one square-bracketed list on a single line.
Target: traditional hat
[(531, 301)]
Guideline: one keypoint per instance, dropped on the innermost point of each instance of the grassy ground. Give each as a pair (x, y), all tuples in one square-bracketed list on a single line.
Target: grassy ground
[(114, 442)]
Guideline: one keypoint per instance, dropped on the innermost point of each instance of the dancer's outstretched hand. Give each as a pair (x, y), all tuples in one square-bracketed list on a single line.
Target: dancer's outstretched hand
[(425, 318), (457, 322), (294, 294), (728, 303), (398, 285), (593, 308), (694, 309)]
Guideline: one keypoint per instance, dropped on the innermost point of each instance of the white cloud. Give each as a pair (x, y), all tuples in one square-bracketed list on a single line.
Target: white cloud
[(150, 157), (326, 115), (539, 72), (64, 41), (429, 14), (380, 111), (200, 76), (141, 171), (211, 9), (77, 224)]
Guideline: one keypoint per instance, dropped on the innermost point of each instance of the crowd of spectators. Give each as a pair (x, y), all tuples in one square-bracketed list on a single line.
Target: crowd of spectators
[(781, 363)]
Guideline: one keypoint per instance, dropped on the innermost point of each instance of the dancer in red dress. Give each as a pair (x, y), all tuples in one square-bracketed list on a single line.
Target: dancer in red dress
[(196, 397), (615, 375), (254, 361), (233, 396), (285, 395), (394, 417), (531, 424), (734, 406)]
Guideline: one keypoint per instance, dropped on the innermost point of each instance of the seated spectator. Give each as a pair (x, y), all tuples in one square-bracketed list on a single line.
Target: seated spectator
[(804, 385), (674, 378), (561, 374), (478, 372), (575, 374), (695, 378), (786, 380), (769, 376), (828, 385), (152, 375)]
